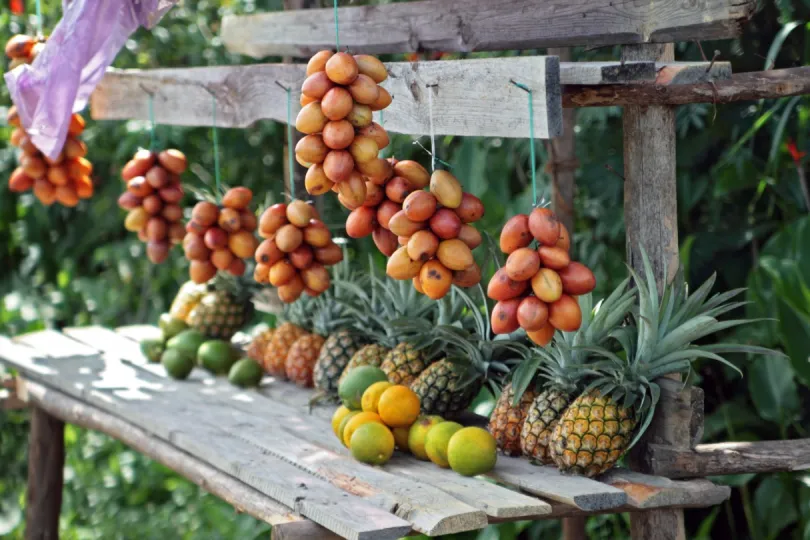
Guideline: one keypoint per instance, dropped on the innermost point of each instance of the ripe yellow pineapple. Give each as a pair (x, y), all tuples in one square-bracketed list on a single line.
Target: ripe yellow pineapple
[(507, 419), (258, 344), (275, 354)]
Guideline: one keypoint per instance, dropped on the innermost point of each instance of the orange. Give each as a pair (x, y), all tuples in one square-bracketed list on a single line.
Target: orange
[(398, 406), (372, 396), (355, 422), (401, 437)]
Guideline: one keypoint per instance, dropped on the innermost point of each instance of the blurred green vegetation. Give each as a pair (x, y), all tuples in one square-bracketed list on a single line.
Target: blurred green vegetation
[(742, 214)]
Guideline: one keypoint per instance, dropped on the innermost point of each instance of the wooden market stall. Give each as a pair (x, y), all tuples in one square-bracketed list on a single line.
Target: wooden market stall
[(260, 450)]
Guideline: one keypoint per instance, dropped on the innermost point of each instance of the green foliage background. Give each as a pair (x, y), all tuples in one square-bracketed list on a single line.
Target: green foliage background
[(741, 214)]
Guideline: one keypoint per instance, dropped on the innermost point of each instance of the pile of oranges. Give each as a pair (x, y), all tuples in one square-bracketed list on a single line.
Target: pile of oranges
[(536, 288), (295, 252), (220, 237), (152, 200)]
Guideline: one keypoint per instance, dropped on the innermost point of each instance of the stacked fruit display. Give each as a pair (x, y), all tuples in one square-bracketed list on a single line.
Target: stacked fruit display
[(219, 237), (536, 289), (436, 238), (342, 142), (152, 199), (295, 252), (376, 416)]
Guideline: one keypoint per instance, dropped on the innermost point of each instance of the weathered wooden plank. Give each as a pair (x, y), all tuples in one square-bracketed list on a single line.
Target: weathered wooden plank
[(480, 25), (470, 97), (645, 491), (55, 345), (236, 493), (334, 509), (729, 458), (740, 87), (46, 461), (675, 73), (591, 73)]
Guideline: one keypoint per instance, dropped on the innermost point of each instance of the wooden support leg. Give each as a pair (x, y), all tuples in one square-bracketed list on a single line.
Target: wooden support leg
[(651, 221), (46, 461)]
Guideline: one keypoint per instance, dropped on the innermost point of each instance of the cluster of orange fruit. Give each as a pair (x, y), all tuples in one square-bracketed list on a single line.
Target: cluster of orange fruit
[(152, 199), (65, 179), (536, 288), (342, 142), (219, 237), (295, 252), (434, 231)]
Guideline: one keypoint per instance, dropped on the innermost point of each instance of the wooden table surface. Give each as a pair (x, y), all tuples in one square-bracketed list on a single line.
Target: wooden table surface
[(264, 452)]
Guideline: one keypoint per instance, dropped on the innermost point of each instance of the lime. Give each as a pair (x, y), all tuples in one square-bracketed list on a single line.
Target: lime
[(187, 341), (437, 440), (245, 373), (337, 418), (152, 349), (372, 395), (472, 451), (357, 421), (171, 326), (418, 434), (343, 423), (216, 356), (178, 364), (356, 382), (372, 443)]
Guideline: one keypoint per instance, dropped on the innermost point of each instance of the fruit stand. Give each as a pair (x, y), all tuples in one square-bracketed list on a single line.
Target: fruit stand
[(262, 450)]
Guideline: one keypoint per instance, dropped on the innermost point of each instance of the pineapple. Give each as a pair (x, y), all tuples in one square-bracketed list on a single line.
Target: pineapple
[(275, 354), (560, 367), (596, 429), (187, 297), (507, 419), (218, 309), (258, 344), (335, 355)]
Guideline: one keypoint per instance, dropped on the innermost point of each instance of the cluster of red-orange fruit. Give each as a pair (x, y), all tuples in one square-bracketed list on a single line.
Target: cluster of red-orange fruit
[(65, 179), (295, 252), (536, 289), (433, 228), (220, 237), (152, 199), (342, 142)]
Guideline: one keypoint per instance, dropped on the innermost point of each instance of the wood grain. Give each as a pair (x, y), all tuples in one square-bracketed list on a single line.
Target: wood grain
[(482, 25), (46, 461), (470, 97), (730, 458)]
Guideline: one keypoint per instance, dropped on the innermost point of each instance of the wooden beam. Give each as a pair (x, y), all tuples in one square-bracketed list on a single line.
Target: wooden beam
[(481, 25), (729, 458), (46, 461), (752, 86), (470, 97), (227, 488)]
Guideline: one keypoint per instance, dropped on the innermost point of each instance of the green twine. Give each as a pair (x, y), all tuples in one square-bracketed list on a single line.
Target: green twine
[(531, 136), (39, 19), (152, 138), (216, 147), (290, 144), (337, 28)]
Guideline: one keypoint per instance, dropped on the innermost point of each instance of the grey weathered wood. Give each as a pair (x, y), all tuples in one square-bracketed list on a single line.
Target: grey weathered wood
[(479, 25), (470, 97), (592, 73), (46, 461), (548, 482), (56, 344), (677, 73), (696, 423), (236, 493), (730, 458), (740, 87), (651, 223), (334, 509), (645, 491)]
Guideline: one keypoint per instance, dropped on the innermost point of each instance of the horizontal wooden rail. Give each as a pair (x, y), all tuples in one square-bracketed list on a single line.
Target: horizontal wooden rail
[(482, 25), (740, 87), (730, 458)]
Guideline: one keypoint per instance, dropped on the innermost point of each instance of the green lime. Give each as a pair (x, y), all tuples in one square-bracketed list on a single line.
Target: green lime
[(472, 451), (437, 440), (187, 341), (245, 373), (372, 443), (178, 364), (355, 383), (171, 326), (152, 349), (216, 356)]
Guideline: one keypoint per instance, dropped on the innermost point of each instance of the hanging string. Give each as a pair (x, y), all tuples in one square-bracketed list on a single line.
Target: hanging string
[(40, 34), (152, 138), (291, 165), (531, 137), (216, 146), (337, 28), (432, 132)]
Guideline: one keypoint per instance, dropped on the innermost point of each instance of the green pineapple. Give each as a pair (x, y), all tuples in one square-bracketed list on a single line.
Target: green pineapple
[(596, 429), (223, 309), (559, 367)]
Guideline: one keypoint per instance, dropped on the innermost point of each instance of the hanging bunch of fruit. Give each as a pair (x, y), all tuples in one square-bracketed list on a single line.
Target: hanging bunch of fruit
[(536, 288), (65, 179), (435, 233), (296, 250), (152, 200), (220, 236)]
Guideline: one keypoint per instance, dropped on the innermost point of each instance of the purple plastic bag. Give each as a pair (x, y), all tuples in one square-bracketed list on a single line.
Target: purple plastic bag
[(76, 55)]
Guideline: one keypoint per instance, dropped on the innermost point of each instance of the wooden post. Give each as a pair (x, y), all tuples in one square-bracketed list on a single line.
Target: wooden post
[(651, 221), (562, 167), (46, 460)]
